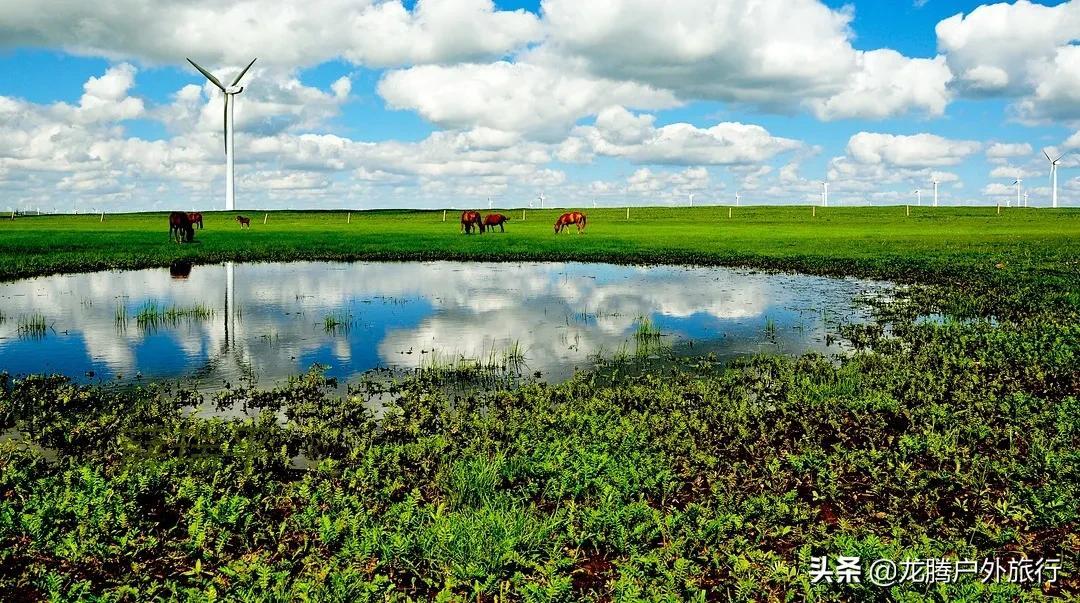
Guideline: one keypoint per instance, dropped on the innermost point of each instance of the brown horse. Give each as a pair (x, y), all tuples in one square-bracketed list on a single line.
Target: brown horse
[(195, 218), (470, 219), (493, 220), (244, 222), (180, 227), (575, 217)]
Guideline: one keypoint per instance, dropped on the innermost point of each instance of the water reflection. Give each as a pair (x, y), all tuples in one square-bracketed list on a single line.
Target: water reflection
[(269, 321)]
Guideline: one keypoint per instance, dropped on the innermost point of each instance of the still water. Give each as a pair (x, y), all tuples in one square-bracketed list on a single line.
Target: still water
[(265, 322)]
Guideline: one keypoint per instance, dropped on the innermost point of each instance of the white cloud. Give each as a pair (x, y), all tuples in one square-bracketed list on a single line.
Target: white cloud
[(515, 97), (915, 151), (619, 133), (777, 54), (1005, 150), (887, 84), (1020, 50), (288, 35)]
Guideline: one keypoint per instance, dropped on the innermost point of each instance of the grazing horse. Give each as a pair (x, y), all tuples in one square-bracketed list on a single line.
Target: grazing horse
[(470, 219), (180, 227), (493, 220), (575, 217), (195, 218), (244, 222)]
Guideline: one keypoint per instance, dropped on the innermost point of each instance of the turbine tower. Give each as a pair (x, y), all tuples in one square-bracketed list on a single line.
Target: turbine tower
[(918, 197), (229, 91), (541, 200), (1053, 177), (824, 193), (1025, 199), (691, 195), (1019, 181), (936, 182), (736, 198)]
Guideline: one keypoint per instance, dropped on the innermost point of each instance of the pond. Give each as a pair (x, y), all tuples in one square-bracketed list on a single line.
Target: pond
[(220, 324)]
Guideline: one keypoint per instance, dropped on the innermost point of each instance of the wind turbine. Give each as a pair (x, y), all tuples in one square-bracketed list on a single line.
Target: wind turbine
[(1019, 181), (541, 200), (824, 193), (936, 182), (918, 197), (691, 199), (1053, 177), (736, 198), (489, 202), (1025, 198), (230, 91)]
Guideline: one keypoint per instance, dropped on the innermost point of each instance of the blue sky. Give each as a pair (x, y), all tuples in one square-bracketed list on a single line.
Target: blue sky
[(404, 105)]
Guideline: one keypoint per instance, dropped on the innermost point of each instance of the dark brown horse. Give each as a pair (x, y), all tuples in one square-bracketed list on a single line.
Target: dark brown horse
[(469, 219), (195, 218), (575, 217), (243, 221), (493, 220), (180, 227)]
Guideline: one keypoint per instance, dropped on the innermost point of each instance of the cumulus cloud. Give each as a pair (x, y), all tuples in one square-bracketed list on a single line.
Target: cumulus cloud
[(619, 133), (1005, 150), (915, 151), (368, 32), (1020, 50), (720, 50), (887, 84), (518, 97)]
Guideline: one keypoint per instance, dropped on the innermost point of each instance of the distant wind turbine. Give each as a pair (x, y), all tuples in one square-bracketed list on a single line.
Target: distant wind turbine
[(936, 182), (541, 200), (1053, 177), (918, 197), (824, 193), (1018, 182), (691, 199), (230, 91), (1025, 199), (736, 198)]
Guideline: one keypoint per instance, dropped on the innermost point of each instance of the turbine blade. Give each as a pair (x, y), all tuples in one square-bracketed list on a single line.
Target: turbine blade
[(208, 75), (1047, 156), (225, 125), (1060, 156), (241, 76)]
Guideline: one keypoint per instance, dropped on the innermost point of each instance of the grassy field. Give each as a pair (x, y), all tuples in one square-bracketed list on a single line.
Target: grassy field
[(696, 481), (880, 241)]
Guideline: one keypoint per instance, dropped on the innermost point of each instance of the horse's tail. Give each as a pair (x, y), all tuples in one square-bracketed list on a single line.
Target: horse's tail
[(584, 219)]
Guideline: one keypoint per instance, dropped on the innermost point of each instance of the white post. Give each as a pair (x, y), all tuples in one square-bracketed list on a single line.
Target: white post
[(230, 197), (729, 212), (522, 214), (265, 216), (824, 194), (349, 219), (444, 215), (627, 213)]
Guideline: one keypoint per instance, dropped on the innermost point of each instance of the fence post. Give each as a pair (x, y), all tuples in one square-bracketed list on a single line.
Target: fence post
[(265, 216), (444, 215), (349, 219)]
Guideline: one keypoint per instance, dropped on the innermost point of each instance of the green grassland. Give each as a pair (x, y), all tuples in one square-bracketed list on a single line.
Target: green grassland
[(692, 481), (874, 241)]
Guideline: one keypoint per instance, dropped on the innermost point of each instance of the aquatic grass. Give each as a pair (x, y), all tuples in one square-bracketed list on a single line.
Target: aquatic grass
[(495, 366), (770, 328), (33, 325), (338, 323), (152, 315), (645, 331)]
